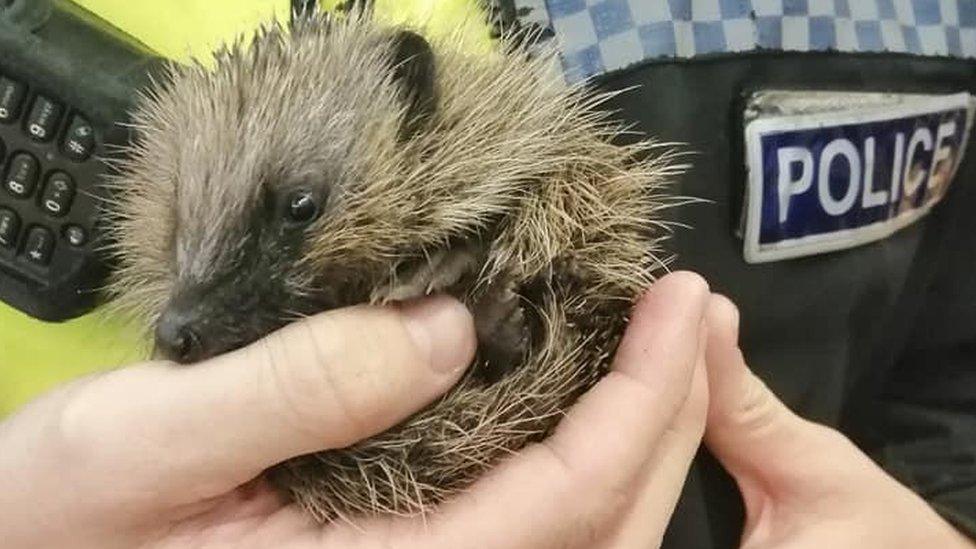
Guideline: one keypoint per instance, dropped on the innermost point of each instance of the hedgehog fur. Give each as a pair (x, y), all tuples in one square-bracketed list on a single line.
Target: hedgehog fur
[(508, 192)]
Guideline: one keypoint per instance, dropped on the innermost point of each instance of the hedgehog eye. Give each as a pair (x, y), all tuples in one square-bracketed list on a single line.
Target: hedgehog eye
[(302, 207)]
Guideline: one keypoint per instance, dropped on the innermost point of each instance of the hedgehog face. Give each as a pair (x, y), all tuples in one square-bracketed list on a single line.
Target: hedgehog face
[(247, 179), (230, 290)]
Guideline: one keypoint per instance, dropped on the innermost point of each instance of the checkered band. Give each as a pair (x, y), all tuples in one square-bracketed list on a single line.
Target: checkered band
[(597, 36)]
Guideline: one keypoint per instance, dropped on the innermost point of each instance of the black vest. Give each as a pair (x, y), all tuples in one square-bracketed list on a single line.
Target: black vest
[(879, 340)]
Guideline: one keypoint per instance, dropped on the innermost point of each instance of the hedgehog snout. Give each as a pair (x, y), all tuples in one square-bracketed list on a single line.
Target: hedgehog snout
[(204, 319), (187, 328), (178, 338)]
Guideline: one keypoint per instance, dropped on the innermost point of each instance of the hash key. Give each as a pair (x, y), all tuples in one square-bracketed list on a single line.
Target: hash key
[(79, 142)]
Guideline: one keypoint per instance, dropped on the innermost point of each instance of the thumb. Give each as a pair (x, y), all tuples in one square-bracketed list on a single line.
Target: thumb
[(755, 436), (323, 383)]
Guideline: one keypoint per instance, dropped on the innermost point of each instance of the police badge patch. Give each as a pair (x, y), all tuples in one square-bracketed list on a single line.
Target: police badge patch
[(828, 171)]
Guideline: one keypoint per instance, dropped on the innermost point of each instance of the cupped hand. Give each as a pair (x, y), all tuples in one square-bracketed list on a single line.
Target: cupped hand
[(805, 486), (158, 456)]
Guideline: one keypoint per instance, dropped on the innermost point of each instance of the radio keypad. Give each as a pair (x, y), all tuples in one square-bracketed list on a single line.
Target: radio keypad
[(33, 221)]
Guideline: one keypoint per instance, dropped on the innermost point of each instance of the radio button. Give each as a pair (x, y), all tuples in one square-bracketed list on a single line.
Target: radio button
[(9, 228), (11, 99), (43, 119), (79, 142), (22, 175), (58, 194), (39, 246)]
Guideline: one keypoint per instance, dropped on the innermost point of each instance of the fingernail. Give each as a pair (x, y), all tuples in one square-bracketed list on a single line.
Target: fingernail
[(442, 327), (724, 311)]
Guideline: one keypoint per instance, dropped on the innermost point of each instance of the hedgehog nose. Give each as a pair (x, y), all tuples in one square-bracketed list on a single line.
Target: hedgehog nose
[(176, 339)]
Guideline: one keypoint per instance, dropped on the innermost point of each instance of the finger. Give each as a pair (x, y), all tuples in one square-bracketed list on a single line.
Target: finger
[(656, 495), (322, 383), (749, 429), (575, 483)]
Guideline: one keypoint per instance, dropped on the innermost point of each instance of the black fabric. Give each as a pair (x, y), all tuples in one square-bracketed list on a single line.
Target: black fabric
[(921, 421), (879, 340)]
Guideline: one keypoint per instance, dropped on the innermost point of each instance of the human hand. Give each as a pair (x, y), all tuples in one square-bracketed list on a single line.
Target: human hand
[(805, 486), (157, 456)]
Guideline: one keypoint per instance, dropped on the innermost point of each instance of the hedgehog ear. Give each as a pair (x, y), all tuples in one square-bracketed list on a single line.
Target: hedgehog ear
[(415, 72)]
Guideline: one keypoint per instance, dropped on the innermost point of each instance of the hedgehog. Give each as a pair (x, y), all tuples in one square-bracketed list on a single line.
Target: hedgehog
[(339, 161)]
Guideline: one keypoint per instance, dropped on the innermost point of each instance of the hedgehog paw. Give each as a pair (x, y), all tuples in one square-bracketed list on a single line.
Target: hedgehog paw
[(438, 272), (503, 336)]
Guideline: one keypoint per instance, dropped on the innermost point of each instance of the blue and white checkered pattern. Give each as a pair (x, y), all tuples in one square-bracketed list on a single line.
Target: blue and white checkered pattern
[(597, 36)]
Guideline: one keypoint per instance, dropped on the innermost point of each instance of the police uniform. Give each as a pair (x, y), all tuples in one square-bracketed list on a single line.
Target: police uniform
[(858, 311)]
